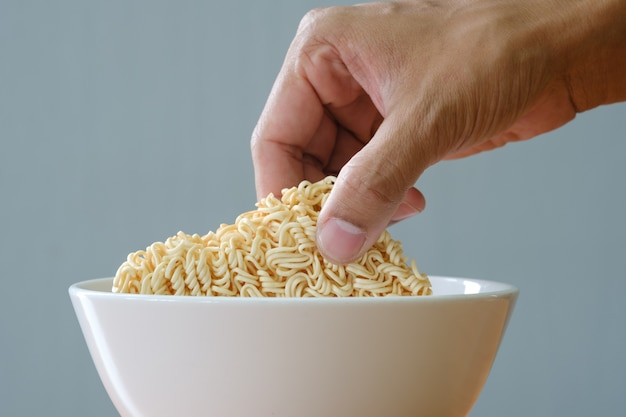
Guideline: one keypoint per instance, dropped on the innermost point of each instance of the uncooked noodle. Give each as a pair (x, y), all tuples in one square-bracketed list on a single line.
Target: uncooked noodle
[(269, 252)]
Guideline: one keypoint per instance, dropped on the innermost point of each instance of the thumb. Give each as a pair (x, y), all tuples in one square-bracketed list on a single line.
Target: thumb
[(373, 189)]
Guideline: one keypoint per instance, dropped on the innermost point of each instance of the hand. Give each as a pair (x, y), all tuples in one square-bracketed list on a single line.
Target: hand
[(376, 93)]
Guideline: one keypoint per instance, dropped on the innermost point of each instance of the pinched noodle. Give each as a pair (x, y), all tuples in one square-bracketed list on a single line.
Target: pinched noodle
[(269, 252)]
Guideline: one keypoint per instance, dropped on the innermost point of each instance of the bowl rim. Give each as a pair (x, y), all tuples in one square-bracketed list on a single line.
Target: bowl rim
[(93, 288)]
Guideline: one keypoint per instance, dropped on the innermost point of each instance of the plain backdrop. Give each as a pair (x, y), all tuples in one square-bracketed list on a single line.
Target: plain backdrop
[(122, 122)]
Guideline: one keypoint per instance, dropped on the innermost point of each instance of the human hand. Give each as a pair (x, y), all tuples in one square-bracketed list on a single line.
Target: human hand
[(376, 93)]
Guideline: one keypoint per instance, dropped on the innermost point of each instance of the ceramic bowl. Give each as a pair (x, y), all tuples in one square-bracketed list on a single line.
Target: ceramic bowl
[(259, 357)]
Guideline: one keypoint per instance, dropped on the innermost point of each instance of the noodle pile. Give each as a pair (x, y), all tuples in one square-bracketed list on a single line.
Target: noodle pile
[(269, 252)]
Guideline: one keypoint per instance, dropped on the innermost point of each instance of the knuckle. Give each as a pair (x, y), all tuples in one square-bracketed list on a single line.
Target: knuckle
[(315, 32), (323, 24), (317, 17)]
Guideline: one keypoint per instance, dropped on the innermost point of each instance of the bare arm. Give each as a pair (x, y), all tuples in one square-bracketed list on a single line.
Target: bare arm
[(379, 92)]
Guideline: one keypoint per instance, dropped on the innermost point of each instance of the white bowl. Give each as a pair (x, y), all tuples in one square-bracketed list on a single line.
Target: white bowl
[(259, 357)]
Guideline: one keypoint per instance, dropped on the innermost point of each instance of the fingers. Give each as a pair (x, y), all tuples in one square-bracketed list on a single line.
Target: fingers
[(373, 189), (315, 103), (412, 204), (291, 116)]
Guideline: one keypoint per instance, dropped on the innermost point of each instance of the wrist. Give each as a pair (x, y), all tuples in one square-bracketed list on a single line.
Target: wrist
[(591, 38)]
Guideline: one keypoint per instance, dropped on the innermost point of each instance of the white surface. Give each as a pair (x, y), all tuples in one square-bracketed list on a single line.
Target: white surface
[(201, 356)]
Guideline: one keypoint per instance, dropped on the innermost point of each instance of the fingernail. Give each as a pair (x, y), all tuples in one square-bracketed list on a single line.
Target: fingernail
[(404, 211), (340, 241)]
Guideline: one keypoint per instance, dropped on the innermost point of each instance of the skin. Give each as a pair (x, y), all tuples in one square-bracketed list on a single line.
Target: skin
[(376, 93)]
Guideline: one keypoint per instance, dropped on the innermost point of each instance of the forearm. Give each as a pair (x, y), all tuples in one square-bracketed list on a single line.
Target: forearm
[(583, 42), (596, 62)]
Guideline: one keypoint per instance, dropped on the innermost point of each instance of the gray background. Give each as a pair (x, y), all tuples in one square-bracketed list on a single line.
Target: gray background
[(122, 122)]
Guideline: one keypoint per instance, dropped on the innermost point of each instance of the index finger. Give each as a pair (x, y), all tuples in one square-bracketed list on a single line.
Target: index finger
[(290, 119)]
